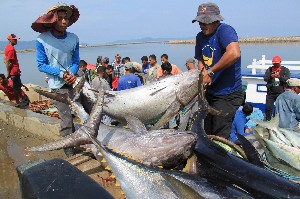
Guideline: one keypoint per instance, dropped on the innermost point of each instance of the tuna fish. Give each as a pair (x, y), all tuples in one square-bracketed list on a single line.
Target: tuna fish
[(165, 147), (156, 102), (216, 163)]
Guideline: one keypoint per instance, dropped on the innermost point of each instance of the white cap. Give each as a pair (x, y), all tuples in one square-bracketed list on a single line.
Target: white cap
[(293, 82)]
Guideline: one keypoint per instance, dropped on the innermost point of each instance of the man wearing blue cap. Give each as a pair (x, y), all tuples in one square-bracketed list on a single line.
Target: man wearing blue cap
[(217, 51)]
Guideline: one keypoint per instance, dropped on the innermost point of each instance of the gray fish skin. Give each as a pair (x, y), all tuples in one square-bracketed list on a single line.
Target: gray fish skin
[(165, 147), (156, 102), (140, 181), (292, 136), (162, 99)]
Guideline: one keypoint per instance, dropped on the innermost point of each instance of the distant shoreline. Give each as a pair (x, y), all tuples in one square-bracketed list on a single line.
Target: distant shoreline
[(287, 39)]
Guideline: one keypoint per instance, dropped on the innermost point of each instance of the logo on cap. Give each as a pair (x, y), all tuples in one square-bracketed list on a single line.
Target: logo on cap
[(203, 9)]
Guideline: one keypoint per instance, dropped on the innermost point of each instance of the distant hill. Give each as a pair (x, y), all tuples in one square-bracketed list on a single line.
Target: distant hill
[(148, 39)]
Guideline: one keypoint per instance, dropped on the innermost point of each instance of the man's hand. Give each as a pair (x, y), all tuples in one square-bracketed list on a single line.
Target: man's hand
[(275, 75), (207, 80), (69, 79)]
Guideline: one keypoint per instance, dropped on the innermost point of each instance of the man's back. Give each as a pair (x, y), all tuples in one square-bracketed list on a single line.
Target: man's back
[(128, 81), (288, 108)]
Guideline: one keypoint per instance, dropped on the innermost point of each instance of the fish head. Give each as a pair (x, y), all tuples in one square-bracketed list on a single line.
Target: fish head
[(187, 86), (166, 147)]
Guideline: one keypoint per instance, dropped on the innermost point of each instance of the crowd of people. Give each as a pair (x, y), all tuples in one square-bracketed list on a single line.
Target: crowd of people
[(217, 54)]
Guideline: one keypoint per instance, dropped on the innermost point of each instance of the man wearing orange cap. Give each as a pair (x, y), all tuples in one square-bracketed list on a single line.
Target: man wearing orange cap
[(57, 55), (276, 77), (12, 66)]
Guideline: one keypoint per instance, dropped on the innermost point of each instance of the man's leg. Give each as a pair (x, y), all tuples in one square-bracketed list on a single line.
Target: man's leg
[(17, 88), (227, 104), (270, 99), (66, 121), (208, 119)]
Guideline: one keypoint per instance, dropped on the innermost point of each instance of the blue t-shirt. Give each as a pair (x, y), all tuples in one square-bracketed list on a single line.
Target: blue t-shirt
[(210, 49), (238, 125), (128, 81)]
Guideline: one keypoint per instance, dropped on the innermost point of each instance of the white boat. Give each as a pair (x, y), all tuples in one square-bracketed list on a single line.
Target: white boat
[(254, 79)]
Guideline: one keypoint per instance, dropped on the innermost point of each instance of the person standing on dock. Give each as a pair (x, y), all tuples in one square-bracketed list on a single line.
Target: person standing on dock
[(57, 55), (12, 66), (288, 106), (218, 53), (276, 77)]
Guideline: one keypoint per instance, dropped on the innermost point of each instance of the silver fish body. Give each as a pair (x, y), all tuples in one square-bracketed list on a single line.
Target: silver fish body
[(153, 100), (165, 147)]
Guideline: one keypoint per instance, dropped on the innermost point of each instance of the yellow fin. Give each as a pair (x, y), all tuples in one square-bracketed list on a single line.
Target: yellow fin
[(107, 168), (117, 184), (112, 176), (103, 160), (100, 154), (161, 167)]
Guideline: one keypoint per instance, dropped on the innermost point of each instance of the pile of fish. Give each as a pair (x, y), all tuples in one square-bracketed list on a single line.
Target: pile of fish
[(280, 146), (139, 158)]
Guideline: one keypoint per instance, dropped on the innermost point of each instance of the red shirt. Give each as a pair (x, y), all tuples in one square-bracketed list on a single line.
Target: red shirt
[(10, 54), (9, 91)]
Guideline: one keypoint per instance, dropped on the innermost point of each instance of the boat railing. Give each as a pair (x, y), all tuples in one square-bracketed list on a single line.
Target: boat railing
[(264, 64)]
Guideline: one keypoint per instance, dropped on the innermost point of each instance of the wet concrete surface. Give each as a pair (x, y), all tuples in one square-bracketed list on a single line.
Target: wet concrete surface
[(13, 141)]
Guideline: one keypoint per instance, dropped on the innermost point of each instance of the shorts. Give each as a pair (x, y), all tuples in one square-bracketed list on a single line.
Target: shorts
[(17, 82)]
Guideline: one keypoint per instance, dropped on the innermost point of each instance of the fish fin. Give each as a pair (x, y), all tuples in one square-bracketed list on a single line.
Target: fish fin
[(250, 151), (273, 123), (191, 165), (171, 112), (94, 120), (135, 124), (64, 98), (181, 189), (75, 139), (75, 92)]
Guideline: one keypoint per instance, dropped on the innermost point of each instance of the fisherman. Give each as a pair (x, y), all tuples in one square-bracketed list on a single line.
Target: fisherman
[(165, 58), (145, 64), (154, 66), (57, 53), (6, 85), (118, 66), (99, 82), (83, 71), (12, 66), (239, 123), (190, 64), (288, 105), (276, 77), (218, 53), (129, 80), (166, 69)]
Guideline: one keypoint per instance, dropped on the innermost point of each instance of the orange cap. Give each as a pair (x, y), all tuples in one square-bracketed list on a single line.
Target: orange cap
[(276, 60), (12, 36)]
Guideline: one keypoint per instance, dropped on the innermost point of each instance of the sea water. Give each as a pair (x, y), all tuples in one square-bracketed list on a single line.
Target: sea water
[(178, 53)]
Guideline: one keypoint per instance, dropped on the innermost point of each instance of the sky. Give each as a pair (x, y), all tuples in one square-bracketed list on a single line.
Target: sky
[(103, 21)]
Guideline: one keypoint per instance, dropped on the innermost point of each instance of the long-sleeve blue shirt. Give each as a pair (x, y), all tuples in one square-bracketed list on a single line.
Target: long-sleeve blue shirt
[(288, 107), (52, 52), (238, 125)]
